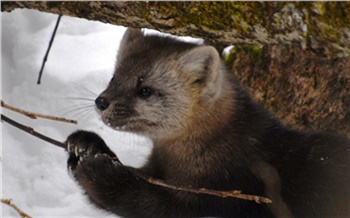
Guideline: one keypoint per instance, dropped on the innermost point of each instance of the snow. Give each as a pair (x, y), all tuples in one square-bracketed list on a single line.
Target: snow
[(79, 66)]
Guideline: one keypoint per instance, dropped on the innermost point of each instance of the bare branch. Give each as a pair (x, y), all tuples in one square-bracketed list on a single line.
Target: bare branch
[(222, 194), (32, 131), (9, 203), (48, 48), (36, 115)]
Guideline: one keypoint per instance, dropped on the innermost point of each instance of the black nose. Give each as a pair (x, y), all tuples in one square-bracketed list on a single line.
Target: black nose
[(101, 103)]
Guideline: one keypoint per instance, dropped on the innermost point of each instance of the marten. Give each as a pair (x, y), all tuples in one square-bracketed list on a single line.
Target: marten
[(207, 133)]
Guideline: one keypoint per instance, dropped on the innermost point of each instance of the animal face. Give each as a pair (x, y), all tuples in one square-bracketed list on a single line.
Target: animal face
[(159, 86)]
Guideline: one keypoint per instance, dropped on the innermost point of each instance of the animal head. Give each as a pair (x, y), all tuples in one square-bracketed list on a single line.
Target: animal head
[(160, 84)]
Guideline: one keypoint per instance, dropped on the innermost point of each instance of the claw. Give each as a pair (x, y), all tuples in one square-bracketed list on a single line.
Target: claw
[(70, 170), (116, 163), (97, 154), (81, 150), (76, 152)]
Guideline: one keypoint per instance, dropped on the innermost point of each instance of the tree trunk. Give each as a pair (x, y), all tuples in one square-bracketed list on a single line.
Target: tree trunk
[(294, 57)]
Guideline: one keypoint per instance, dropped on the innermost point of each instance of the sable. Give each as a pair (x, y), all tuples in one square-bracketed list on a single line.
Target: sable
[(35, 115), (223, 194), (208, 132)]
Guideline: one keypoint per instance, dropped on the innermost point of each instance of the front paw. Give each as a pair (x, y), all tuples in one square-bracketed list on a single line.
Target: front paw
[(98, 168), (81, 144)]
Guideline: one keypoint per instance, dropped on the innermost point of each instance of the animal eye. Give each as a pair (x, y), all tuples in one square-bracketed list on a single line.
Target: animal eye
[(145, 92)]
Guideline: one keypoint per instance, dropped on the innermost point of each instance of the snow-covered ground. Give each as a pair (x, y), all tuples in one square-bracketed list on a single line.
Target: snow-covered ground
[(79, 67)]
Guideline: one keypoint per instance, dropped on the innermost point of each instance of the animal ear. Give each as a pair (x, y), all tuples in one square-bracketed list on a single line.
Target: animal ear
[(202, 64), (130, 39)]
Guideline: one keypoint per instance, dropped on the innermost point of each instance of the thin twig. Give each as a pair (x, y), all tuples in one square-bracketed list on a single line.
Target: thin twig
[(223, 194), (36, 115), (9, 203), (48, 48), (32, 131)]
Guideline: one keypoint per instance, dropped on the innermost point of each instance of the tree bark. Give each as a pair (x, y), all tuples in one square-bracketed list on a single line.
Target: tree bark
[(301, 88), (294, 57), (321, 26)]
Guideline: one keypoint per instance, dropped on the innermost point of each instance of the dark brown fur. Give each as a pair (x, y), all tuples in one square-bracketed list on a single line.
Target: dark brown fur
[(207, 133)]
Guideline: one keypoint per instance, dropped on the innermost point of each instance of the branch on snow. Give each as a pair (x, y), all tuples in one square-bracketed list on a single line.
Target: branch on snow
[(36, 115), (19, 211)]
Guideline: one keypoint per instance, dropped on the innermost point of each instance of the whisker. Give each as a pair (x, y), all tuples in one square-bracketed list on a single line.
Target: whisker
[(84, 88), (80, 105), (80, 98), (74, 99), (75, 110), (84, 113)]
